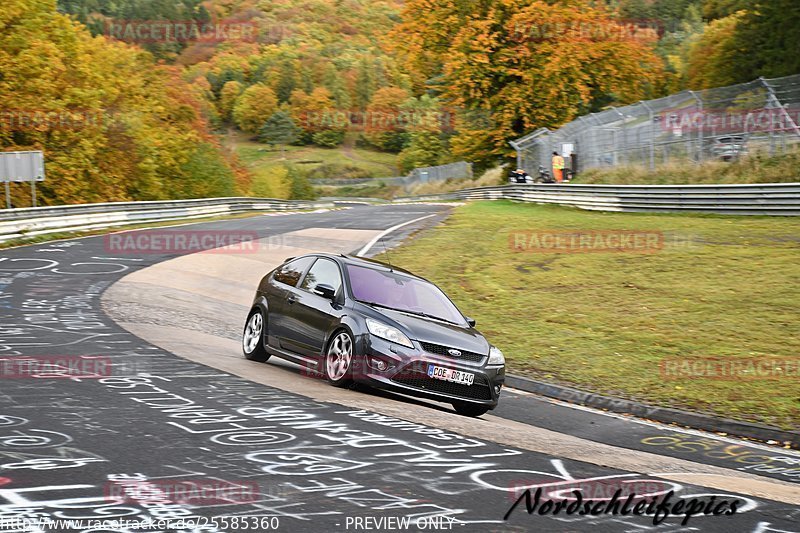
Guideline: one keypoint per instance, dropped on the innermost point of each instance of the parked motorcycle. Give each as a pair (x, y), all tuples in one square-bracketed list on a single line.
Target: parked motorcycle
[(520, 176), (544, 176)]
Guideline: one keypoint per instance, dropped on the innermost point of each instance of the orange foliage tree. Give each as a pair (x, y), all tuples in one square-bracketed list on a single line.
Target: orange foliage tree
[(112, 124), (519, 65)]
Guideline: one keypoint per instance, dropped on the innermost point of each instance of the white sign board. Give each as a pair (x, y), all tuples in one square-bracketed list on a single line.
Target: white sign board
[(21, 166), (567, 149)]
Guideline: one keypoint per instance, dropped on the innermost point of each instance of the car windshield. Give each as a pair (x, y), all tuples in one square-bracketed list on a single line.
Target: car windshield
[(402, 293)]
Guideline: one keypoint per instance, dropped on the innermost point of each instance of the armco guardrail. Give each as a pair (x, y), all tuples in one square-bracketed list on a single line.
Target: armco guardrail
[(32, 221), (751, 199)]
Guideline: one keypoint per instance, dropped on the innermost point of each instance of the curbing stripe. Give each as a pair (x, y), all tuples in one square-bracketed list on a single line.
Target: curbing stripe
[(661, 414)]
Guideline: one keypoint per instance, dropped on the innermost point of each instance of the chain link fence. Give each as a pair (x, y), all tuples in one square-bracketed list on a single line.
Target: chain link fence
[(721, 124)]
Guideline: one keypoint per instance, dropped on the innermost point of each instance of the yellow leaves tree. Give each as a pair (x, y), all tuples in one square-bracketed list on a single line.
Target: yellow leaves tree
[(256, 104), (112, 124), (713, 59), (227, 98)]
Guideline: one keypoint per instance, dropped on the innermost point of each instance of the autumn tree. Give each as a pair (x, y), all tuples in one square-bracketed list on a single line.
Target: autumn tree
[(113, 125), (279, 129), (334, 82), (713, 60), (529, 63), (385, 121), (317, 117), (227, 98), (768, 40), (256, 104)]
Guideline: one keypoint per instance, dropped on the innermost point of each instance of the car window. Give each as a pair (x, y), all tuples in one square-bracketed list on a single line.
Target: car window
[(324, 272), (291, 272), (401, 292)]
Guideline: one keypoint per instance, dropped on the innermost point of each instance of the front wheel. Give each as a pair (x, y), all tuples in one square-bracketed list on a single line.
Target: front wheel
[(339, 360), (470, 409), (253, 337)]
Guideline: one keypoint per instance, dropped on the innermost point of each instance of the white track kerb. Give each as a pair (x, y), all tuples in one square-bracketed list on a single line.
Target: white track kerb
[(362, 252)]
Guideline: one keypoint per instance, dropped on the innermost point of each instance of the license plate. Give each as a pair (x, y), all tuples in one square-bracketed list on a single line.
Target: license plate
[(449, 374)]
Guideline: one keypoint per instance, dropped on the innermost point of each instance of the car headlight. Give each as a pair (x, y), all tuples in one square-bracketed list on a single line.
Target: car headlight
[(385, 331), (496, 356)]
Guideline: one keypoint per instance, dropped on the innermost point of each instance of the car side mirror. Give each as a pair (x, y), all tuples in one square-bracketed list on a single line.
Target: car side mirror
[(470, 321), (326, 291)]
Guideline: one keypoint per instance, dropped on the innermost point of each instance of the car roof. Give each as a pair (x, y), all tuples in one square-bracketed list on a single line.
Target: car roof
[(362, 262)]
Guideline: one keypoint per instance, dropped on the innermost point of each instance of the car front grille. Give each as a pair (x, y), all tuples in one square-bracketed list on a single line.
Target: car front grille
[(418, 379), (438, 349)]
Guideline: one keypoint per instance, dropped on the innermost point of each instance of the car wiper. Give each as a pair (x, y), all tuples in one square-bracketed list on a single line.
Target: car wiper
[(426, 315), (376, 304), (406, 311)]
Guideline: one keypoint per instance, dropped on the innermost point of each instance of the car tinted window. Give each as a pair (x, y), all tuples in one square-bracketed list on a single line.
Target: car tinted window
[(291, 272), (324, 272), (401, 292)]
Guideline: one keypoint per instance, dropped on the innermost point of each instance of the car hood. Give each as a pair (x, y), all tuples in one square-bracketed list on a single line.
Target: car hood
[(433, 331)]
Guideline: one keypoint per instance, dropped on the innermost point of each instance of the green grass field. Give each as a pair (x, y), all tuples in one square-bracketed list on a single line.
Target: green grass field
[(721, 287), (756, 168), (267, 164)]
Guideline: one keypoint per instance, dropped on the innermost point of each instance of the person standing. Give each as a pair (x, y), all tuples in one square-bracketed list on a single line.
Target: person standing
[(558, 167)]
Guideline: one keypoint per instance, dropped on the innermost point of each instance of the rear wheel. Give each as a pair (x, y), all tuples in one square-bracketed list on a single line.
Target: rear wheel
[(470, 409), (339, 360), (253, 337)]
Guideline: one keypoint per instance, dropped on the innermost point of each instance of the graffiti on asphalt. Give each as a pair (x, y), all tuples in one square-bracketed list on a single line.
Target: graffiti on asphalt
[(740, 457)]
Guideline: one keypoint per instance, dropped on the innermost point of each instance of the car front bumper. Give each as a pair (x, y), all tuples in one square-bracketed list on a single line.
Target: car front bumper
[(407, 373)]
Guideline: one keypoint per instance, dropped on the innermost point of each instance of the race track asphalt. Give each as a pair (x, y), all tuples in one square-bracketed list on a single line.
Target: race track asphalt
[(195, 432)]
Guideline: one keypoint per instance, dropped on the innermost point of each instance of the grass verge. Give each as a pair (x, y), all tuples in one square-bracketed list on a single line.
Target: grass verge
[(268, 165), (722, 287), (756, 168)]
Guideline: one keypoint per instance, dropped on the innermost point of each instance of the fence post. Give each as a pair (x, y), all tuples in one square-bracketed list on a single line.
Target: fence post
[(581, 146), (516, 147), (652, 134), (700, 132), (594, 139), (617, 150), (773, 98)]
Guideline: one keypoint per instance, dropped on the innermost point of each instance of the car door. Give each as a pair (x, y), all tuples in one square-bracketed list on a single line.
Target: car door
[(309, 316), (277, 290)]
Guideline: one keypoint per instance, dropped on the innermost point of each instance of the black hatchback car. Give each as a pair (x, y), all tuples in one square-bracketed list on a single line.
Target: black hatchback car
[(359, 320)]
